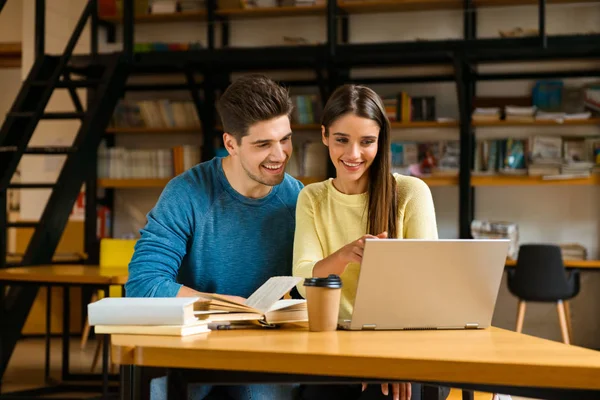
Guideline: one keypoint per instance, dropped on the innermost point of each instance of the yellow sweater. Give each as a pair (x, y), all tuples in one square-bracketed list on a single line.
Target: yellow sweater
[(327, 220)]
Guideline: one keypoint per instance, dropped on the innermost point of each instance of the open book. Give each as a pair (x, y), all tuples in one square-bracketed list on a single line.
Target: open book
[(264, 305)]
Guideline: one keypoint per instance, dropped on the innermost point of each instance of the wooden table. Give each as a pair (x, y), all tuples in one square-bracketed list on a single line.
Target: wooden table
[(64, 276), (491, 360), (581, 264)]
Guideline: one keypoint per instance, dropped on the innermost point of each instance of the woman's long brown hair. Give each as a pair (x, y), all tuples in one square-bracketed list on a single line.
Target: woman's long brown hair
[(382, 205)]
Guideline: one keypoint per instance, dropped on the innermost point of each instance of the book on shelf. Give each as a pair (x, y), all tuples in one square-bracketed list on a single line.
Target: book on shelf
[(539, 155), (573, 251), (123, 163), (402, 107), (162, 113), (519, 113), (308, 159), (486, 114), (438, 158), (307, 109)]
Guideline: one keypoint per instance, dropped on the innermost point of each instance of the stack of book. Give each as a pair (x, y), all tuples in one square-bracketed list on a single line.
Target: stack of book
[(184, 316), (498, 230), (573, 251), (486, 114), (519, 114)]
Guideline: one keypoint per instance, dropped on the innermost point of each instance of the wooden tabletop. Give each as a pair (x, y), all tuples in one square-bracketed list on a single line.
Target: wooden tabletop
[(583, 264), (491, 356), (85, 274)]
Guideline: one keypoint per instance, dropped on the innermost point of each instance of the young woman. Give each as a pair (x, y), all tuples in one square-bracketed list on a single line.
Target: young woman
[(365, 199)]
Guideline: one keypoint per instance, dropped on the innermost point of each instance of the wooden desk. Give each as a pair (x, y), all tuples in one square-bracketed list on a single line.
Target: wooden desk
[(65, 276), (491, 360), (582, 264)]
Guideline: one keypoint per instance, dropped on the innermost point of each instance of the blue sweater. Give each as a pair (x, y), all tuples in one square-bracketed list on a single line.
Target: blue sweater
[(205, 235)]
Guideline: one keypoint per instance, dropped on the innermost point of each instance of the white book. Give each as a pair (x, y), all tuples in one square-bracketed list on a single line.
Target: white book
[(142, 311)]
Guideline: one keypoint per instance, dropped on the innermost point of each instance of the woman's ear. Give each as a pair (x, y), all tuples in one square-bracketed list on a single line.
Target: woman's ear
[(324, 137), (230, 143)]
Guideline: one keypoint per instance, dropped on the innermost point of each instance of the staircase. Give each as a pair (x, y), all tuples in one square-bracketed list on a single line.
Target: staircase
[(106, 77)]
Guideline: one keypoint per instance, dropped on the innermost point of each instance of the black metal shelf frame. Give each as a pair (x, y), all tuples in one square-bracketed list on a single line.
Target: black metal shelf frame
[(333, 61)]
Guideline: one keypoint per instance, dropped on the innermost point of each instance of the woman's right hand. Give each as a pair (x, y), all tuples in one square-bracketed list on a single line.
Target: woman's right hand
[(351, 253)]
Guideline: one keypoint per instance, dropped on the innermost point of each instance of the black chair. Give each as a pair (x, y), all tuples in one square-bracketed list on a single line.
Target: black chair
[(540, 276)]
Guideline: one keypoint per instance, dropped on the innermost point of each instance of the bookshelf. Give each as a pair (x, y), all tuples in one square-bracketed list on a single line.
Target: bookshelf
[(499, 3), (132, 183), (397, 52), (10, 55), (507, 180), (572, 122), (380, 6), (377, 6), (424, 124), (271, 12), (158, 131), (161, 183), (434, 181), (161, 18)]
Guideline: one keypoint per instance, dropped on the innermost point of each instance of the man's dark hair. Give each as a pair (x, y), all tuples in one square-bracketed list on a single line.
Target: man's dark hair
[(251, 99)]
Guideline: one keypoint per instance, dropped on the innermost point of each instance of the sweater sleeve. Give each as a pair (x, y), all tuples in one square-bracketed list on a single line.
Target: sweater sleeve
[(307, 247), (163, 244), (419, 214)]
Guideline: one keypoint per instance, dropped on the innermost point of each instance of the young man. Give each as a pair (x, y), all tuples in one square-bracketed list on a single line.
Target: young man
[(226, 225)]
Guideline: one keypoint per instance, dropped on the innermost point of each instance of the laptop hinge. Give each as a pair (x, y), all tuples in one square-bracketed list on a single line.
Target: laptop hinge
[(472, 326), (369, 326)]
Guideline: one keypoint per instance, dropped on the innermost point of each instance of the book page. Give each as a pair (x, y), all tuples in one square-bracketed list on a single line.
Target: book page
[(271, 291), (287, 303)]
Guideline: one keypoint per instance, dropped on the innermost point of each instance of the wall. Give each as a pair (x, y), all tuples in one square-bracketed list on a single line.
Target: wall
[(555, 214), (10, 32)]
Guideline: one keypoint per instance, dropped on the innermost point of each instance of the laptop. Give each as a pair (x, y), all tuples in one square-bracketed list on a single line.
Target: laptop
[(417, 284)]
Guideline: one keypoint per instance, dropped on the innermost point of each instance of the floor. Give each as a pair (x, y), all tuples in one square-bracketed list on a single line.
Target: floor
[(26, 368)]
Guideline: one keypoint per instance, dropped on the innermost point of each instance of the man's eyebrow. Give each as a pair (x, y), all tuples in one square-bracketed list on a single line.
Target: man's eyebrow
[(262, 141)]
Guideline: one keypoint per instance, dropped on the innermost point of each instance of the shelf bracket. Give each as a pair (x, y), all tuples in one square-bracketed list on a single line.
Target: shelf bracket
[(465, 94), (542, 23)]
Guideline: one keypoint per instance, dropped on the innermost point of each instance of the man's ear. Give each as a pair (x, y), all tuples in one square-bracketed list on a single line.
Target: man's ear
[(323, 137), (230, 143)]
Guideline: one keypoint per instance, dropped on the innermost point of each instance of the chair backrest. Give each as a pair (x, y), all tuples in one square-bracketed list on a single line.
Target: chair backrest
[(115, 255), (540, 274)]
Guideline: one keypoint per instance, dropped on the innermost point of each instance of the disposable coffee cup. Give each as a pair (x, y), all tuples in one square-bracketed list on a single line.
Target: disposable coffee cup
[(323, 302)]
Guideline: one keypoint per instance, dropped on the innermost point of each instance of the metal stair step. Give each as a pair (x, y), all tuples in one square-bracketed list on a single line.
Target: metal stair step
[(70, 84), (31, 185), (50, 115), (22, 224), (46, 150)]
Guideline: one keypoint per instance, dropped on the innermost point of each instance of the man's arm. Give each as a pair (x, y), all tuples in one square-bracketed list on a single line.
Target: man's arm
[(163, 244)]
